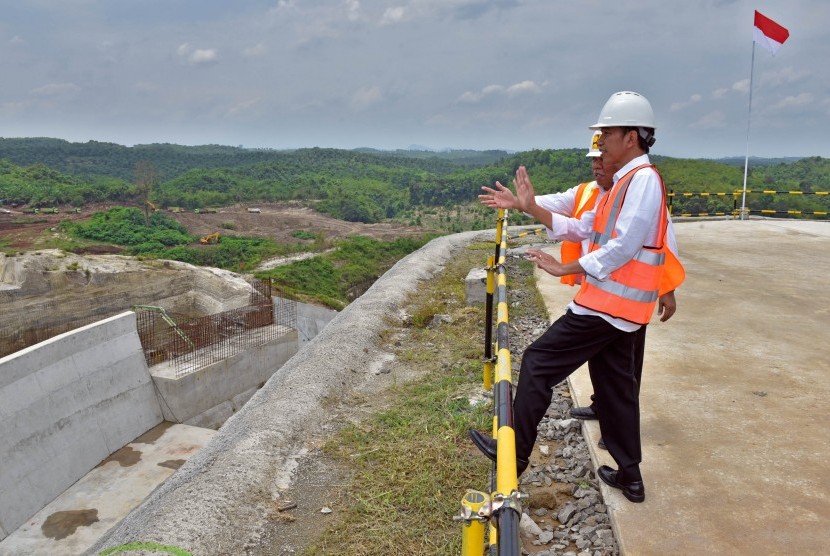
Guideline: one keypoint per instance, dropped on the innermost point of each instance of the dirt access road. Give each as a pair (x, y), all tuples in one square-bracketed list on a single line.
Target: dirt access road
[(277, 221)]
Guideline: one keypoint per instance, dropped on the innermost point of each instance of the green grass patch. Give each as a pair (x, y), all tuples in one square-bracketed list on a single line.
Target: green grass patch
[(411, 460), (303, 234), (161, 237), (329, 278)]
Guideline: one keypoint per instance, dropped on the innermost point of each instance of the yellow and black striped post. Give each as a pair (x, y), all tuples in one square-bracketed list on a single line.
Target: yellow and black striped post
[(505, 498), (502, 508), (488, 325)]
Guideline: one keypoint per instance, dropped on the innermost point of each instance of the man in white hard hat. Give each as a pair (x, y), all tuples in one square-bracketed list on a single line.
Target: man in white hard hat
[(624, 271), (573, 203)]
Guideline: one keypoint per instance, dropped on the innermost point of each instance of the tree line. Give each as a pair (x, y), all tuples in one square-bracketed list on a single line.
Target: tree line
[(356, 185)]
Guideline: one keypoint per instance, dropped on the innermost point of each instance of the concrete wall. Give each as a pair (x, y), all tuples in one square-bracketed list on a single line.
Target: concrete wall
[(65, 405), (311, 319), (208, 396)]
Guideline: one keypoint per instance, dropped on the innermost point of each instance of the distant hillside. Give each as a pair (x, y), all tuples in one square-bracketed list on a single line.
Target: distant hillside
[(362, 185), (755, 161), (95, 158), (463, 157)]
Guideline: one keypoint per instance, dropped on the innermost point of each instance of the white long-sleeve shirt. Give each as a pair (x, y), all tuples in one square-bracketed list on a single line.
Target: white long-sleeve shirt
[(636, 227), (564, 203)]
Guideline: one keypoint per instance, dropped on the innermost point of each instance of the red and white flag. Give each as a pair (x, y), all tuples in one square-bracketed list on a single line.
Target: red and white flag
[(768, 33)]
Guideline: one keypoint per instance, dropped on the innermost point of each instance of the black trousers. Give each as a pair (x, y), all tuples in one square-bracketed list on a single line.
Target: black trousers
[(639, 356), (570, 342)]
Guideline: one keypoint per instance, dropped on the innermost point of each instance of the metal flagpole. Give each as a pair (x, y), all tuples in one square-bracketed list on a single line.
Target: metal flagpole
[(748, 120)]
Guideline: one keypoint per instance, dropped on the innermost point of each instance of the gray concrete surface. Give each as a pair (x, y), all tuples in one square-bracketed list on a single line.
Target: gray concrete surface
[(218, 501), (734, 397), (72, 400), (66, 404), (79, 516), (209, 395)]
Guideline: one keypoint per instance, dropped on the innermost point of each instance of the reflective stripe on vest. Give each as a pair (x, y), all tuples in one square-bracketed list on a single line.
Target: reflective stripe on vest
[(584, 200), (631, 291)]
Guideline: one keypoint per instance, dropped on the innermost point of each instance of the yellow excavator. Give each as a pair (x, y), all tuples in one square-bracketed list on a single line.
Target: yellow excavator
[(210, 238)]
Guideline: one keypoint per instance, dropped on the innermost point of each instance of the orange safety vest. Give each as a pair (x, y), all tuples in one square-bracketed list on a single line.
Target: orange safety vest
[(584, 200), (631, 291)]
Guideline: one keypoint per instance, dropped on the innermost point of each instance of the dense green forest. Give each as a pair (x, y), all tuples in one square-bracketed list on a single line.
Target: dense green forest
[(95, 158), (357, 185)]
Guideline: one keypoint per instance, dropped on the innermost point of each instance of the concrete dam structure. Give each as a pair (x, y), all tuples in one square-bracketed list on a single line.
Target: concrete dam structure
[(70, 405)]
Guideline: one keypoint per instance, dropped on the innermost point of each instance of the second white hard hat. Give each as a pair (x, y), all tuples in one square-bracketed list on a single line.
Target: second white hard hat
[(626, 109)]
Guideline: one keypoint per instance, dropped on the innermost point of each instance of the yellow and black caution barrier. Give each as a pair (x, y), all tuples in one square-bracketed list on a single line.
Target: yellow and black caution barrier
[(528, 233), (736, 211), (771, 211), (502, 508)]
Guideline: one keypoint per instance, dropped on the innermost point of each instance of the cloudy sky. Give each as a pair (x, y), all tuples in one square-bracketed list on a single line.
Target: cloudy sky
[(480, 74)]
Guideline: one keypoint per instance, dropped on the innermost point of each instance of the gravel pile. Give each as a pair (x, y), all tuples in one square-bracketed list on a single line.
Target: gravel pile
[(578, 523)]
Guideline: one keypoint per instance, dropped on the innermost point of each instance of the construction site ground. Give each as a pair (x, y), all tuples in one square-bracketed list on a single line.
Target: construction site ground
[(278, 221), (734, 397)]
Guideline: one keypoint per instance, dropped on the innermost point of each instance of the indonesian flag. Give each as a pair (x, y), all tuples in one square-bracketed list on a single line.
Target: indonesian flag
[(768, 33)]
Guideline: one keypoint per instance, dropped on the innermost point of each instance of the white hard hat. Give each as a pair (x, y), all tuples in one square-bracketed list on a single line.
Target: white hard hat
[(594, 151), (626, 109)]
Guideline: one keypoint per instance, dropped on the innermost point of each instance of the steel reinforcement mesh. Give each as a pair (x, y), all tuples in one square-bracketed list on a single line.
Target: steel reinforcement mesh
[(41, 323), (195, 343)]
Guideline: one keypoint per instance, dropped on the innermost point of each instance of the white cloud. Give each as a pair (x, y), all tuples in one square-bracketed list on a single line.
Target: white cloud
[(694, 99), (711, 120), (783, 76), (523, 87), (720, 93), (17, 39), (197, 55), (802, 99), (393, 15), (352, 10), (203, 55), (490, 90), (57, 89), (741, 86), (365, 97)]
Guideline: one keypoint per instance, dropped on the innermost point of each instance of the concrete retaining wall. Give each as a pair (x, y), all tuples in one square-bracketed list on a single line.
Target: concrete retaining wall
[(65, 405), (208, 396), (311, 319)]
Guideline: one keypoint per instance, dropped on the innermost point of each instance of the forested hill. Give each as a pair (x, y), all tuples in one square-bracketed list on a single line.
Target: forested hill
[(358, 185), (98, 159)]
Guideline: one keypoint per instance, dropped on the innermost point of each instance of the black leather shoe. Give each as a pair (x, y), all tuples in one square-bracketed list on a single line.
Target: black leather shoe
[(584, 413), (488, 447), (634, 491), (601, 444)]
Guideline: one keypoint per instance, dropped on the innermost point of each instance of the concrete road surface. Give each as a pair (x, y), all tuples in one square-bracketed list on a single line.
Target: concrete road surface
[(735, 396)]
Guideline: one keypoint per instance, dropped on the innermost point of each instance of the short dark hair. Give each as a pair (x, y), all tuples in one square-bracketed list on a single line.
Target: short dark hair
[(644, 142)]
